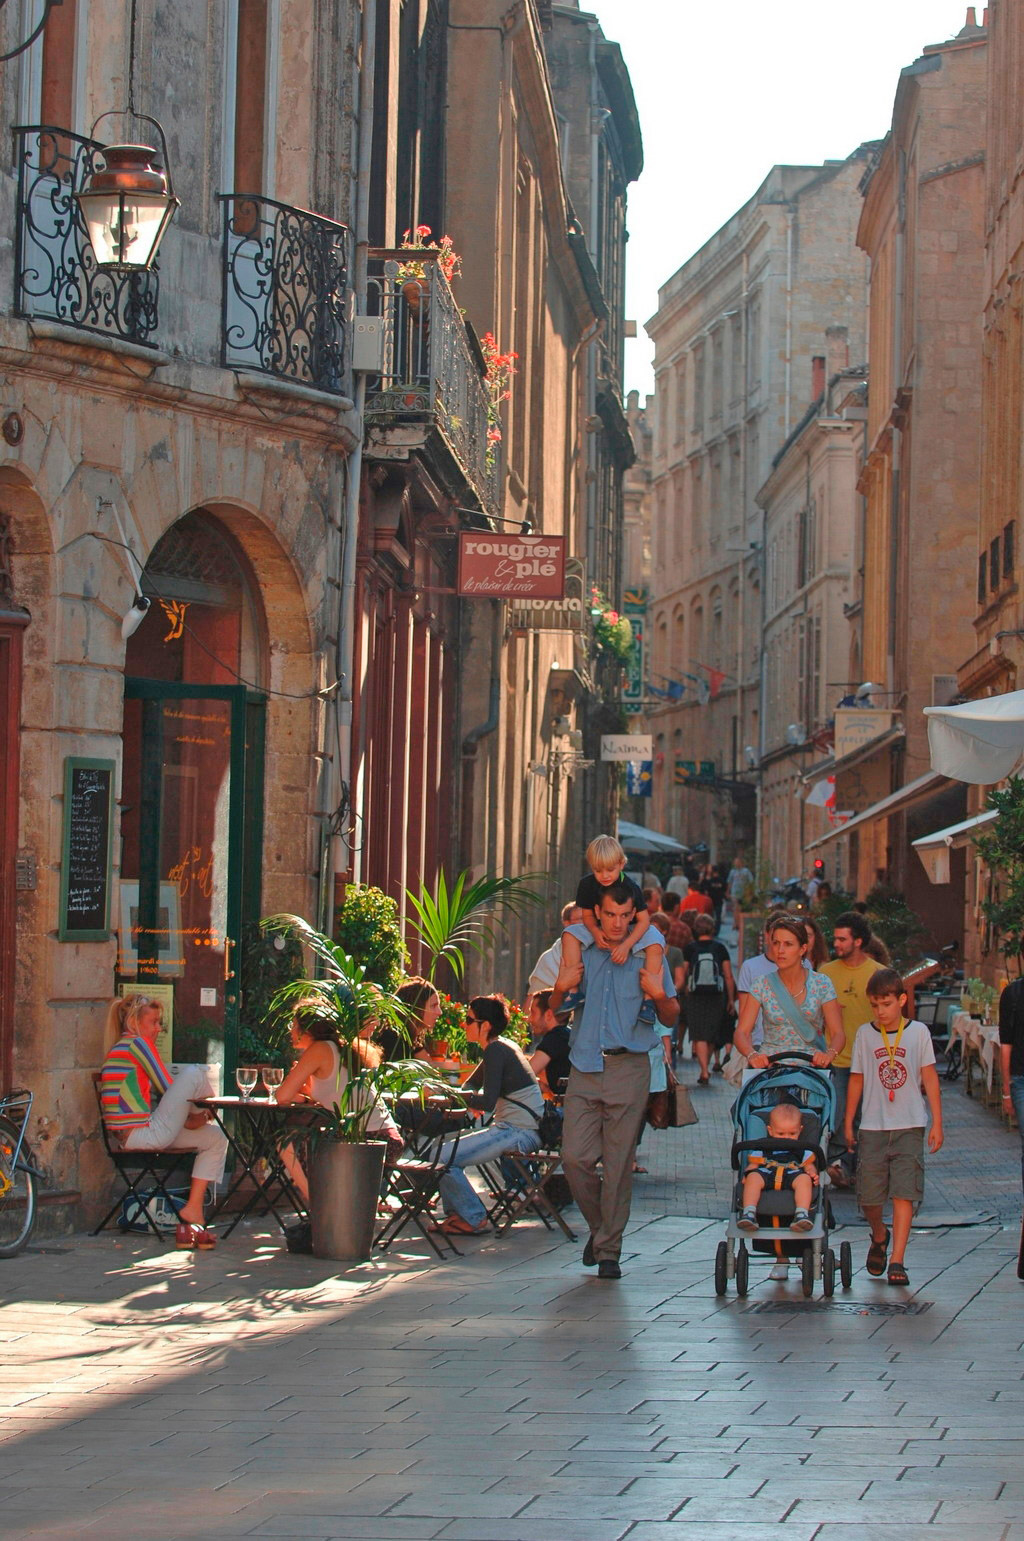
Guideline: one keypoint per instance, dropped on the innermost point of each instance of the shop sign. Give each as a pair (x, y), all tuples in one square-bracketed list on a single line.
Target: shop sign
[(857, 726), (634, 605), (522, 567), (627, 746)]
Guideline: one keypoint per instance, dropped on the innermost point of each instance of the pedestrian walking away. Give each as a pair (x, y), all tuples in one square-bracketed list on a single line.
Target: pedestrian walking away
[(609, 1081)]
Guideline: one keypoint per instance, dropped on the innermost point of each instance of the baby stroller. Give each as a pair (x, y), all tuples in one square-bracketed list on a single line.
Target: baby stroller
[(785, 1080)]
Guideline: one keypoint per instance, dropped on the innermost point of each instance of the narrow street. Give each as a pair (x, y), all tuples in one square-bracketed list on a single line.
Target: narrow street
[(511, 1396)]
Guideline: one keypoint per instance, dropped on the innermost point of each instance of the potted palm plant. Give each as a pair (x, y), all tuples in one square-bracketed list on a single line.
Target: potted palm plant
[(346, 1161)]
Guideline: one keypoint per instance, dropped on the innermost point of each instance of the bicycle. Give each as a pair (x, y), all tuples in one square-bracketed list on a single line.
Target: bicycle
[(18, 1176)]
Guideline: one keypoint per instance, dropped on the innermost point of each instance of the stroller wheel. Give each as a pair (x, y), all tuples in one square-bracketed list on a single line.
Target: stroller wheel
[(846, 1264), (807, 1273), (828, 1273), (722, 1268), (742, 1264)]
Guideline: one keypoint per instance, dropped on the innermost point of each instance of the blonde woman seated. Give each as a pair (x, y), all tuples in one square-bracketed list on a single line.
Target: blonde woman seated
[(320, 1074), (131, 1072)]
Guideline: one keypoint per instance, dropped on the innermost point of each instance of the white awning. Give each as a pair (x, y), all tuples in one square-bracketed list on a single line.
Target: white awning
[(957, 834), (647, 842), (913, 792), (978, 741), (934, 849)]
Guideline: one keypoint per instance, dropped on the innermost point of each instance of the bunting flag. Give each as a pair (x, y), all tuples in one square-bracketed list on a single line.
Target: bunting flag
[(822, 794), (715, 679)]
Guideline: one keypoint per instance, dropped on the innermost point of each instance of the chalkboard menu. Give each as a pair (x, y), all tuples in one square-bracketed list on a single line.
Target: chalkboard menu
[(88, 842)]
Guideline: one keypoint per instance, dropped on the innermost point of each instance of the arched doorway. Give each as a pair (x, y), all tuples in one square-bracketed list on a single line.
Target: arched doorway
[(192, 783)]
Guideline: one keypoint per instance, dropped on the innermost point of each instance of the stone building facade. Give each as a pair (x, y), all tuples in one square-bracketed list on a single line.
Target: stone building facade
[(922, 228), (182, 436), (812, 521), (275, 440), (995, 662), (736, 333)]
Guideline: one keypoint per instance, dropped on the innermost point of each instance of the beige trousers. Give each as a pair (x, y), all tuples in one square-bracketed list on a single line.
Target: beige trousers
[(602, 1115)]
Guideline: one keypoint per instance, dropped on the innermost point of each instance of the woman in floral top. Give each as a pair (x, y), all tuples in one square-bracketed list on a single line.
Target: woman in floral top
[(799, 1008)]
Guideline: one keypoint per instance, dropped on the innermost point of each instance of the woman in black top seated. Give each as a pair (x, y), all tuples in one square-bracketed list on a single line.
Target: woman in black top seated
[(512, 1092)]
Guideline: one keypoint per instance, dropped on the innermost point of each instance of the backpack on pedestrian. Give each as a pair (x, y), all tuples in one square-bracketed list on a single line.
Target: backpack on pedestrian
[(706, 976)]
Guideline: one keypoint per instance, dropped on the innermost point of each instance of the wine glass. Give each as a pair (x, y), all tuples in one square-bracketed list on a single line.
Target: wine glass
[(246, 1077), (273, 1075)]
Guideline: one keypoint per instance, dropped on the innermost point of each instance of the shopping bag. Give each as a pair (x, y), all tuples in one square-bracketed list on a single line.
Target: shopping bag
[(680, 1109)]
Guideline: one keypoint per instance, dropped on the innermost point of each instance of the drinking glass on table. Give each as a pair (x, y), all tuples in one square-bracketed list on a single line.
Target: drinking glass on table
[(246, 1077), (273, 1075)]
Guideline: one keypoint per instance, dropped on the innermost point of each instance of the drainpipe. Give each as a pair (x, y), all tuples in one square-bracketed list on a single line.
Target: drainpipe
[(790, 216), (350, 513), (471, 743)]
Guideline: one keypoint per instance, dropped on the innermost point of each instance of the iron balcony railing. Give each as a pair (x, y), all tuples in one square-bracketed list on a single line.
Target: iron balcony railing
[(433, 373), (285, 293), (55, 273)]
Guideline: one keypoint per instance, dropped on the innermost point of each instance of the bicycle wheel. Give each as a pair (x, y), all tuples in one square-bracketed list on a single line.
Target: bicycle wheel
[(17, 1193)]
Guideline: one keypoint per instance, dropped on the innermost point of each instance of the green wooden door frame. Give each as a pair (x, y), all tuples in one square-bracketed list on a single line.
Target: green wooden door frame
[(245, 823)]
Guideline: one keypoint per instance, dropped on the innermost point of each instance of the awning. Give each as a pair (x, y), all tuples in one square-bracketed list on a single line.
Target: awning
[(913, 792), (648, 842), (978, 741), (934, 849), (831, 767)]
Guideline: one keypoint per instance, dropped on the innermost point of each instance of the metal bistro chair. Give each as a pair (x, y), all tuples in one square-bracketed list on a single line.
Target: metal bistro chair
[(154, 1168), (527, 1191), (413, 1184)]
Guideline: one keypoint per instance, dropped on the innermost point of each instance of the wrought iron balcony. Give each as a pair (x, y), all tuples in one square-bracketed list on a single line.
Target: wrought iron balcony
[(285, 293), (55, 273), (433, 370)]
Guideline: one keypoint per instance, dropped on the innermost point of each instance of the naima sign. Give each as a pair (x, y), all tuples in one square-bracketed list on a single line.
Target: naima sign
[(627, 746), (521, 567)]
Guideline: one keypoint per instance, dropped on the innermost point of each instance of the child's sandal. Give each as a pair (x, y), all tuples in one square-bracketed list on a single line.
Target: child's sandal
[(897, 1274)]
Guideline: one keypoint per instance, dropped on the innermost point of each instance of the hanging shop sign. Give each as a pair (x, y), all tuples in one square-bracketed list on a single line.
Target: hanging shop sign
[(639, 778), (559, 615), (520, 567), (627, 746)]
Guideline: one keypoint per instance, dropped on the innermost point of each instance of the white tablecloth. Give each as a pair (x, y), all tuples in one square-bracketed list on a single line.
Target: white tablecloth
[(981, 1037)]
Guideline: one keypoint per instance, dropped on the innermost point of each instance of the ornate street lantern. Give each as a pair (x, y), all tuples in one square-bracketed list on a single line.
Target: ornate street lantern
[(127, 205)]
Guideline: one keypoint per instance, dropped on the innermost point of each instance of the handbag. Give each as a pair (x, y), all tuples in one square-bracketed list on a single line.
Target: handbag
[(549, 1123), (671, 1108), (681, 1110)]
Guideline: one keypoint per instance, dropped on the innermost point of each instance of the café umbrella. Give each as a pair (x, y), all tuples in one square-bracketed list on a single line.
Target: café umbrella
[(981, 742)]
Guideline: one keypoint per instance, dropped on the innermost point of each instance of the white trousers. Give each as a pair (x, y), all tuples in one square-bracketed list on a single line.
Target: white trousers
[(166, 1128)]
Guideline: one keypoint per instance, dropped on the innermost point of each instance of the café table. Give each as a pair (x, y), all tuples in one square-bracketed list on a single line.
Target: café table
[(253, 1127), (978, 1041)]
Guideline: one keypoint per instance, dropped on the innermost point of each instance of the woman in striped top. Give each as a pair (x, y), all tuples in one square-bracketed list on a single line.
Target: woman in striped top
[(132, 1071)]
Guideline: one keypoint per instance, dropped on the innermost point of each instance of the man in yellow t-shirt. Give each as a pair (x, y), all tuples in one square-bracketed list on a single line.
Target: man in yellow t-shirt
[(849, 971)]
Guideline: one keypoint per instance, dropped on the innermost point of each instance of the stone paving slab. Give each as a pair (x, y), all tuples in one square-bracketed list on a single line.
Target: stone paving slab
[(511, 1396)]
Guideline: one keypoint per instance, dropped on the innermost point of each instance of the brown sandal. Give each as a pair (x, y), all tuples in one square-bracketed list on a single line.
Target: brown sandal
[(877, 1253)]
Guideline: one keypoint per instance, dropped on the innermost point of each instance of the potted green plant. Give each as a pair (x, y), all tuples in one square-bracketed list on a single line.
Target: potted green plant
[(346, 1162)]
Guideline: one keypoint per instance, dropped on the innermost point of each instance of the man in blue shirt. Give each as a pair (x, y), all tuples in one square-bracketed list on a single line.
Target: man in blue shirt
[(611, 1074)]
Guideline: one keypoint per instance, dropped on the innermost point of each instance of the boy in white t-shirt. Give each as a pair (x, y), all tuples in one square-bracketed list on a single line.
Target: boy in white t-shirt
[(893, 1070)]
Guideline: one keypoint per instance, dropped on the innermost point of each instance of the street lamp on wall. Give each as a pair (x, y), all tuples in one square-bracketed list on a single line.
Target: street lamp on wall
[(127, 205)]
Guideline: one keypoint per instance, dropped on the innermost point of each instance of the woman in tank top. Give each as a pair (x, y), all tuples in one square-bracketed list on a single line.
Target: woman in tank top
[(320, 1074)]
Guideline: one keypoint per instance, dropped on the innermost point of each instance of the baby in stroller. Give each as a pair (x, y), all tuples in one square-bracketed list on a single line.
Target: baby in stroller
[(779, 1169)]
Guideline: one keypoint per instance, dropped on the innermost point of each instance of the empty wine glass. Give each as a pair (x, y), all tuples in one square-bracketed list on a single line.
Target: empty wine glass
[(246, 1077), (273, 1075)]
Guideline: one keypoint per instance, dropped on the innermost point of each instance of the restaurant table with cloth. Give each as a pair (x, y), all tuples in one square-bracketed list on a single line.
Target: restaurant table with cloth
[(978, 1042), (253, 1128)]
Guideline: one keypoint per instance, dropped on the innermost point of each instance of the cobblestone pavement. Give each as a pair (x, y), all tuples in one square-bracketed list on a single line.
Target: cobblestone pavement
[(511, 1396)]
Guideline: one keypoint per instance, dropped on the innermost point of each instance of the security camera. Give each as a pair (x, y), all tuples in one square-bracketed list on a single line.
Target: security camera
[(135, 617)]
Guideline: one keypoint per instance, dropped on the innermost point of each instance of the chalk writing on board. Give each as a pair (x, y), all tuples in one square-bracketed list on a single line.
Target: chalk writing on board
[(85, 907)]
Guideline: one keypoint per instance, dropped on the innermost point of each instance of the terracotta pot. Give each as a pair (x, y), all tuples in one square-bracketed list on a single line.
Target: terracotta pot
[(415, 291)]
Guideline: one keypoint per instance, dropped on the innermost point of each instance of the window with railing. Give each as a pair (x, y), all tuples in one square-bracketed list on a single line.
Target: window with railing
[(55, 272), (433, 370), (285, 293)]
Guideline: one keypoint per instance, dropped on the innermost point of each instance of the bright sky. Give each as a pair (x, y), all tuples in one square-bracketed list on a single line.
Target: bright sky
[(728, 88)]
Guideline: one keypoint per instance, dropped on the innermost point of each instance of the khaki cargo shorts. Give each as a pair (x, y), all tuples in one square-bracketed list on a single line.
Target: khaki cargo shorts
[(890, 1165)]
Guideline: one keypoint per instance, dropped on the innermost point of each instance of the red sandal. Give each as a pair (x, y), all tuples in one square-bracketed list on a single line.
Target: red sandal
[(188, 1237)]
